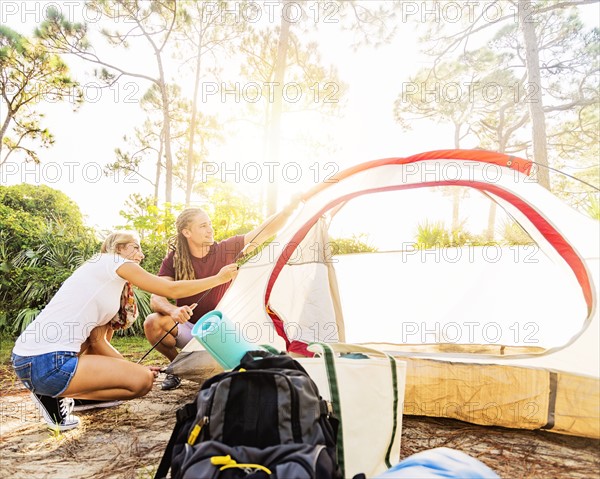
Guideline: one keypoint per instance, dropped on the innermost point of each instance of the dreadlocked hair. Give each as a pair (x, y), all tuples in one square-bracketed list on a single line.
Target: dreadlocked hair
[(182, 258)]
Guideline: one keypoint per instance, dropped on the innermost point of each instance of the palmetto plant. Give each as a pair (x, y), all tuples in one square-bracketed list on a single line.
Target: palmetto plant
[(593, 206), (24, 318), (514, 234), (36, 274), (432, 235), (5, 260)]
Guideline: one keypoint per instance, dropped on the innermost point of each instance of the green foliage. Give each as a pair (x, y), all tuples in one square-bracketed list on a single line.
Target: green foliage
[(35, 275), (134, 347), (42, 241), (154, 253), (356, 244), (24, 318), (231, 212), (573, 190), (593, 206), (514, 234), (25, 210), (152, 223), (19, 229), (552, 49), (155, 225), (432, 235), (435, 235)]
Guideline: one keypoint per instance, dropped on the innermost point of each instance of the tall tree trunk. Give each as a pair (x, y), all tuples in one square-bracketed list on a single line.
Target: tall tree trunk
[(158, 170), (190, 154), (491, 226), (276, 109), (456, 190), (536, 106), (7, 121), (166, 130), (167, 140), (502, 141)]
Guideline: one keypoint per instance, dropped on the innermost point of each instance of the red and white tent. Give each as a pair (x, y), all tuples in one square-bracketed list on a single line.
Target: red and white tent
[(287, 296)]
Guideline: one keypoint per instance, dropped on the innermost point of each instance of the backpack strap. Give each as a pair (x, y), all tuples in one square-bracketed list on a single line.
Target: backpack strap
[(183, 414), (261, 359), (336, 403), (388, 463)]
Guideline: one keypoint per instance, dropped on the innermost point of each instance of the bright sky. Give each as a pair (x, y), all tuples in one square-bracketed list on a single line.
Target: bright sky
[(365, 130), (86, 139)]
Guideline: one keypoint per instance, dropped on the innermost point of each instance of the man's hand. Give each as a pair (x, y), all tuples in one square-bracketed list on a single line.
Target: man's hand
[(228, 273), (183, 313), (270, 226)]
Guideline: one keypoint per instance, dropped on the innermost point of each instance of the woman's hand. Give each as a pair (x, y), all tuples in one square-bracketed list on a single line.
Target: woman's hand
[(228, 273)]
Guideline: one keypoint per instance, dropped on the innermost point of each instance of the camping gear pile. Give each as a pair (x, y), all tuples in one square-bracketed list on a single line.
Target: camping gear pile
[(264, 419)]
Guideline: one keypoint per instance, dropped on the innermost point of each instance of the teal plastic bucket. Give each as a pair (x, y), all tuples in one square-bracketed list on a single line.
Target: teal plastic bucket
[(222, 339)]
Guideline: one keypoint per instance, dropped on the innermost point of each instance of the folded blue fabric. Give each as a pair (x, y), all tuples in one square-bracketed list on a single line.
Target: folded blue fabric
[(440, 462)]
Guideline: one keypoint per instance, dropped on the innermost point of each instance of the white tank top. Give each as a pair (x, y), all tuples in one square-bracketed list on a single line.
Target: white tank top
[(90, 297)]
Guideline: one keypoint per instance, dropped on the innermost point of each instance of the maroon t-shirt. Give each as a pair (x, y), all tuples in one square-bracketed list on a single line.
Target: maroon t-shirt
[(220, 254)]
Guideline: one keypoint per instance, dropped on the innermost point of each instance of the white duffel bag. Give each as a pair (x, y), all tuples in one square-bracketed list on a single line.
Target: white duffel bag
[(366, 390)]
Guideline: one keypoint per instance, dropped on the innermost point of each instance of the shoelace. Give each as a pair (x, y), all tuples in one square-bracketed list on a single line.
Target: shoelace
[(66, 406)]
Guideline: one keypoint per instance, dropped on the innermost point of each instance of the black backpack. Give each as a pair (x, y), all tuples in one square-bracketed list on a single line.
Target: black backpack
[(265, 419)]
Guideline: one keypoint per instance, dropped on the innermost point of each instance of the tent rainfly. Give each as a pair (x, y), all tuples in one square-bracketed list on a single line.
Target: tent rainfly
[(287, 296)]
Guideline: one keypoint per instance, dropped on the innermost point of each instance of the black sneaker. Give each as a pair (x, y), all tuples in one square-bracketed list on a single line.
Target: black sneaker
[(170, 382), (87, 404), (56, 411)]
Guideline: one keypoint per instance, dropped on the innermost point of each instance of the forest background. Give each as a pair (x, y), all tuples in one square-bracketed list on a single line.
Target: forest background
[(119, 113)]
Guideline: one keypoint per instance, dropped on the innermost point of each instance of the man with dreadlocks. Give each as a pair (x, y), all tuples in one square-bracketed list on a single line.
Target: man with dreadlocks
[(193, 255)]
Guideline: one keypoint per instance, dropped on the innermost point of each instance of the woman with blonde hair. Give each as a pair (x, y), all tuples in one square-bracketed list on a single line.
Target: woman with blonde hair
[(65, 352)]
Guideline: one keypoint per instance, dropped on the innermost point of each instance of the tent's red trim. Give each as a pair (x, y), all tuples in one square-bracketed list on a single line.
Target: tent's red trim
[(483, 156), (558, 242)]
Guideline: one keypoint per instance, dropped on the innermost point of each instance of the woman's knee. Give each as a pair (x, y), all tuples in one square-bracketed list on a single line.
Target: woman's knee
[(144, 383)]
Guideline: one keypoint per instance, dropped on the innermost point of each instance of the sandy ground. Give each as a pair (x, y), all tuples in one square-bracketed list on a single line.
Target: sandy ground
[(127, 441)]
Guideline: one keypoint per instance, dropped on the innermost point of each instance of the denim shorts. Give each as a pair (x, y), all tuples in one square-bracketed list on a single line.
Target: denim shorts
[(48, 374)]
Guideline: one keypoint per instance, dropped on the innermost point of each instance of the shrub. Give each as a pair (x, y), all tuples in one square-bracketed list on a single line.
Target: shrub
[(355, 244), (42, 241), (592, 207), (432, 235), (435, 235), (514, 234)]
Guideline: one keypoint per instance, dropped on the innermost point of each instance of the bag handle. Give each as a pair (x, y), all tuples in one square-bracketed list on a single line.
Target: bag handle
[(345, 348), (328, 350), (336, 403)]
